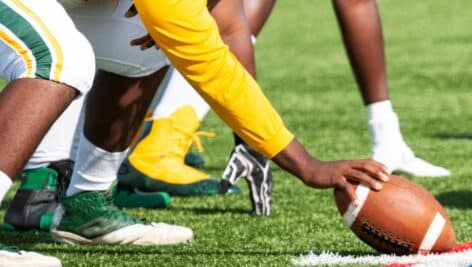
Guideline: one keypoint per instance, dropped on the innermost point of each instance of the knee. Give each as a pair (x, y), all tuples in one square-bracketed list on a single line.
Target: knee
[(78, 68)]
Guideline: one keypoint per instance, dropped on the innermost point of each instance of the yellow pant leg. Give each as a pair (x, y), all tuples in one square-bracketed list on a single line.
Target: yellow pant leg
[(189, 36)]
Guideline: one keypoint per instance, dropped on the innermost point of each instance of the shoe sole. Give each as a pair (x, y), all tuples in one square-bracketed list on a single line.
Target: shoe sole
[(112, 238), (70, 238), (28, 259)]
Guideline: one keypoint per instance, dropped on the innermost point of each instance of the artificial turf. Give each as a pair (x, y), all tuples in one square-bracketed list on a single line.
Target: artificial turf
[(304, 71)]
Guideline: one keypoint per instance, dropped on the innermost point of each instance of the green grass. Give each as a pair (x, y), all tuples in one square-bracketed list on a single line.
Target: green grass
[(303, 68)]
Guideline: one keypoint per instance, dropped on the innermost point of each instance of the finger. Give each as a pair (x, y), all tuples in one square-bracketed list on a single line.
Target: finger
[(147, 44), (362, 177), (373, 162), (343, 185), (139, 41), (372, 167), (131, 12), (380, 165)]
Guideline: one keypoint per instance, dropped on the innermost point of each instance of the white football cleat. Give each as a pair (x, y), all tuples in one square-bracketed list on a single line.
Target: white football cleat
[(154, 234), (389, 148), (402, 159), (13, 257)]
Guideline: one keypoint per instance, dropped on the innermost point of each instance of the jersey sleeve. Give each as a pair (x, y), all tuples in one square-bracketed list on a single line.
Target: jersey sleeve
[(189, 36)]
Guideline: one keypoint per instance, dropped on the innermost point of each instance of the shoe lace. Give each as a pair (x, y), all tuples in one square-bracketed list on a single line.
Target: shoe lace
[(195, 139), (191, 138)]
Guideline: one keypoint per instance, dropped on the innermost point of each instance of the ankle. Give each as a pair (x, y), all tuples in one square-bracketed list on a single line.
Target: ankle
[(380, 111), (95, 168)]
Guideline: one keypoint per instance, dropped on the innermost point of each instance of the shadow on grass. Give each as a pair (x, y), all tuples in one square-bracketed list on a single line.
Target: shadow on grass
[(458, 136), (461, 199), (24, 237)]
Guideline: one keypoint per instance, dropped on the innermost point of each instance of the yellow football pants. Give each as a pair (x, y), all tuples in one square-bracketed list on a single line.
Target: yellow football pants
[(188, 35)]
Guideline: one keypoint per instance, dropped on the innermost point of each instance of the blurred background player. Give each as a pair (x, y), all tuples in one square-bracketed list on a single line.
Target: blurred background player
[(361, 30), (362, 34), (48, 64)]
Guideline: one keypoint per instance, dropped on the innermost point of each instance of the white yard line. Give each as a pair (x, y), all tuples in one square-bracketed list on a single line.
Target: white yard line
[(463, 258)]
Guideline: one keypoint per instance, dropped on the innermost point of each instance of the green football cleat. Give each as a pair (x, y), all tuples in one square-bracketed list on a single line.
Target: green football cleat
[(35, 201), (13, 257), (130, 197), (194, 159), (90, 218)]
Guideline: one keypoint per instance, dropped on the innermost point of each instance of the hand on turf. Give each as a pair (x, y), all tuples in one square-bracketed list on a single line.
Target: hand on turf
[(339, 174), (144, 42)]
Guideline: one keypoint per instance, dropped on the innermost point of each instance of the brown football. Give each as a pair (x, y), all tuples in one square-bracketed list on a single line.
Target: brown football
[(402, 218)]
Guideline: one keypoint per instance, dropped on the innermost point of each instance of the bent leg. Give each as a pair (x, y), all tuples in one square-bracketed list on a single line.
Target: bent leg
[(42, 102), (43, 58)]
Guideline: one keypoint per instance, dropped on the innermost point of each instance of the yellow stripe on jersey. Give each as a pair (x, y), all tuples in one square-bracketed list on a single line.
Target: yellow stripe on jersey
[(50, 39), (21, 49)]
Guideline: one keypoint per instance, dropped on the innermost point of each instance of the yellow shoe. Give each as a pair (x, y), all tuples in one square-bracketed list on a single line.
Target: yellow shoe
[(157, 162)]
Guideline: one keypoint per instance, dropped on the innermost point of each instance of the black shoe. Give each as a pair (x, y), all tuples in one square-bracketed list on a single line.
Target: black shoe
[(255, 168)]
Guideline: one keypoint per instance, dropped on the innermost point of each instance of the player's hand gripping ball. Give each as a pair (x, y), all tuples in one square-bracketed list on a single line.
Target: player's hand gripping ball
[(402, 218)]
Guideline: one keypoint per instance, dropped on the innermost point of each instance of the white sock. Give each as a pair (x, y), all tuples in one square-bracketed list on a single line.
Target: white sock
[(179, 93), (380, 111), (95, 169), (384, 125), (5, 184)]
